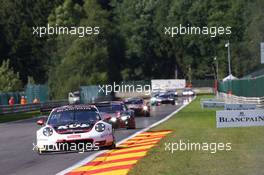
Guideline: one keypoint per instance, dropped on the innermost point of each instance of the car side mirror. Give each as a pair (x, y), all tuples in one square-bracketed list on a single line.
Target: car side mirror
[(40, 122)]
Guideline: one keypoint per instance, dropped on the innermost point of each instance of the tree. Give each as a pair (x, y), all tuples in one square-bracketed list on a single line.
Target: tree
[(131, 44), (84, 60), (145, 56), (10, 81), (27, 52)]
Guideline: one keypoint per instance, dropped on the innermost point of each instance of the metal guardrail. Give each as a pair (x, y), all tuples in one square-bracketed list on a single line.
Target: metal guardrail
[(6, 109), (259, 101), (42, 107)]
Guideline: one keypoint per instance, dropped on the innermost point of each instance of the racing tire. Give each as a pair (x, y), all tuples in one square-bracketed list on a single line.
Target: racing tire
[(131, 127), (146, 114), (112, 146), (131, 124)]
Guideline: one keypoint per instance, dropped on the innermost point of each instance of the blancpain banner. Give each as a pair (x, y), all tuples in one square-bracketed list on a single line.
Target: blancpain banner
[(239, 118)]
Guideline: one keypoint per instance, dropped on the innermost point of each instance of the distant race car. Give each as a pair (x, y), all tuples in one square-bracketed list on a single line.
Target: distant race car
[(172, 92), (74, 97), (138, 105), (163, 98), (188, 92), (74, 128), (117, 113)]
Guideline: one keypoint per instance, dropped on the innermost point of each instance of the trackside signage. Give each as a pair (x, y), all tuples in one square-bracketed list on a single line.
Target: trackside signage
[(168, 84), (240, 106), (212, 104), (239, 118)]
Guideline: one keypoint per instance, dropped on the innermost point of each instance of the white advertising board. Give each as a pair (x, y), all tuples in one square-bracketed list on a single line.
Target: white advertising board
[(168, 84), (212, 104), (239, 118), (236, 106)]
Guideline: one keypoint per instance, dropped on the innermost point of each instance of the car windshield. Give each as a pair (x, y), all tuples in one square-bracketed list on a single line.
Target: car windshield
[(110, 109), (73, 116), (134, 101)]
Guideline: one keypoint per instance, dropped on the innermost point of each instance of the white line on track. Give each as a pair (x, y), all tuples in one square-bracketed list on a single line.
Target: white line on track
[(93, 156)]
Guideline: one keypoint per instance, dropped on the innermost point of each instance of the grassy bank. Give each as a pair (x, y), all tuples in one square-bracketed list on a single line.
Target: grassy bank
[(196, 125), (18, 116)]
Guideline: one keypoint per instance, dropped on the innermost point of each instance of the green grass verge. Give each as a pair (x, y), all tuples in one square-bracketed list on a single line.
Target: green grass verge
[(18, 116), (198, 125)]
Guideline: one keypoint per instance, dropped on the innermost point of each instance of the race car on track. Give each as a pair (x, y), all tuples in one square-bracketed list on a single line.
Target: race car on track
[(74, 128), (188, 92), (117, 113), (138, 105), (163, 98)]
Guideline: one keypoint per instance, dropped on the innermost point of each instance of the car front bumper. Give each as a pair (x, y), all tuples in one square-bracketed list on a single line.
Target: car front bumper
[(73, 142)]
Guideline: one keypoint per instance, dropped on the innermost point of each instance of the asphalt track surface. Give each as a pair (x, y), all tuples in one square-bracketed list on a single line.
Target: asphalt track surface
[(16, 138)]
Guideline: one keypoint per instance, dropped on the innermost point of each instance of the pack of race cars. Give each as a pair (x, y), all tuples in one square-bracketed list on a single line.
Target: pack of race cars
[(84, 127)]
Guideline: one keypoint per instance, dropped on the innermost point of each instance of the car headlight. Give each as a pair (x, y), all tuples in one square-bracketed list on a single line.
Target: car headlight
[(153, 99), (145, 108), (48, 131), (158, 100), (100, 127), (125, 117), (113, 119)]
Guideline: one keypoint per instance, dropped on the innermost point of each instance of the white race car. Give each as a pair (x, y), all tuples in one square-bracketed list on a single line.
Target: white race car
[(75, 128), (188, 92)]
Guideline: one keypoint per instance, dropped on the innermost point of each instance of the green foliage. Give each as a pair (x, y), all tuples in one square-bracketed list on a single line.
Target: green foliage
[(31, 81), (9, 79), (142, 25), (26, 52), (83, 60), (131, 44), (195, 125)]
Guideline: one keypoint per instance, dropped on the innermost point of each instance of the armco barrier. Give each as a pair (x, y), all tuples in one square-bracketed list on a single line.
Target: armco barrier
[(259, 101), (6, 109)]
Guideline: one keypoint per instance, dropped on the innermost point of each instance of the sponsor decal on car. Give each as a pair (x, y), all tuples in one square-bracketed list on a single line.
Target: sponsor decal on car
[(74, 136)]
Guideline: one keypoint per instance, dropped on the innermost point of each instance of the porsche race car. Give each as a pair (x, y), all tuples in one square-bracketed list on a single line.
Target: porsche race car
[(163, 98), (117, 114), (139, 106), (74, 128), (188, 92)]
